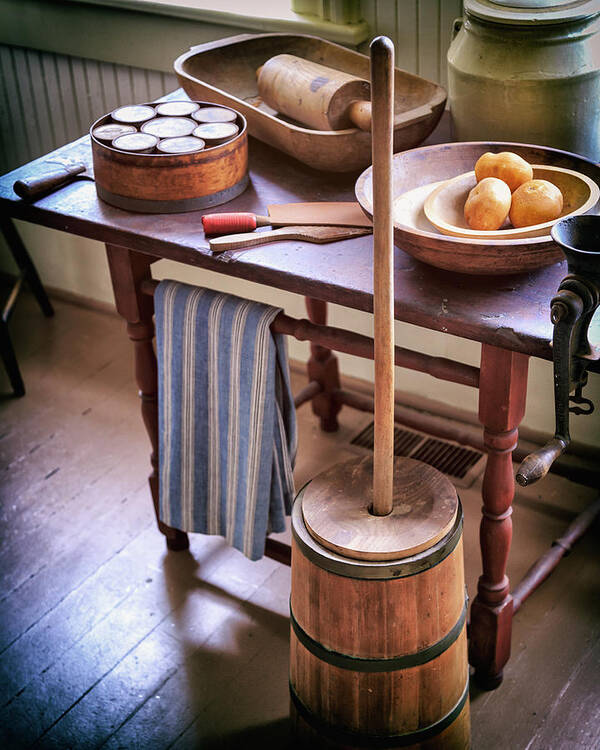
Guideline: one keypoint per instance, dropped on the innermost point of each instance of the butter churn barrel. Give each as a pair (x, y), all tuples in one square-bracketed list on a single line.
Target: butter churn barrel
[(378, 646)]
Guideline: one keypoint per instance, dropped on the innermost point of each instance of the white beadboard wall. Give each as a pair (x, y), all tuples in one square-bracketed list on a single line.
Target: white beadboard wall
[(420, 29), (47, 99)]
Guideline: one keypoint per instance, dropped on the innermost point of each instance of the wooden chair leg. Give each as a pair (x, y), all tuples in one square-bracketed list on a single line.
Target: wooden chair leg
[(128, 269), (25, 264), (323, 368), (10, 361), (502, 394), (28, 272)]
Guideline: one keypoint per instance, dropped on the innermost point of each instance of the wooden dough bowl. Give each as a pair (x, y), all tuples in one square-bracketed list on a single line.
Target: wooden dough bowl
[(224, 71), (416, 173)]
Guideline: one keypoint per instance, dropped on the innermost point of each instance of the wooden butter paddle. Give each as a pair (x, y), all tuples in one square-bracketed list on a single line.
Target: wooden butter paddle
[(319, 235)]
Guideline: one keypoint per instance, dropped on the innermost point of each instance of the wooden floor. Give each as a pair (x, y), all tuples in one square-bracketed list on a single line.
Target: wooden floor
[(107, 640)]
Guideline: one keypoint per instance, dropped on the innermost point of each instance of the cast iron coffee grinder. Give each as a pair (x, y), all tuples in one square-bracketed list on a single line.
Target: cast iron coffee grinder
[(571, 312)]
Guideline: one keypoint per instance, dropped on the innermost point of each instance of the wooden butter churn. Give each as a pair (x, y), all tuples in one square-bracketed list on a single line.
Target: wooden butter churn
[(378, 611)]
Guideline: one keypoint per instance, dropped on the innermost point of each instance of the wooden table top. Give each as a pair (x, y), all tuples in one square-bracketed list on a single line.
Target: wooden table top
[(510, 311)]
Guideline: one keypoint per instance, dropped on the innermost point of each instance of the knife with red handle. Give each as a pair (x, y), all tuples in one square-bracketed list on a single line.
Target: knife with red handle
[(321, 213), (234, 222)]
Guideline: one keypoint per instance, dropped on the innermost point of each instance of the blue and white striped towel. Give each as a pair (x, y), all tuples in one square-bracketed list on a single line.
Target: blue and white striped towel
[(227, 423)]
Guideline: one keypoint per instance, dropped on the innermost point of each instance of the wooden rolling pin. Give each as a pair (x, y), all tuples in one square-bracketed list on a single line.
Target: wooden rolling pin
[(317, 96)]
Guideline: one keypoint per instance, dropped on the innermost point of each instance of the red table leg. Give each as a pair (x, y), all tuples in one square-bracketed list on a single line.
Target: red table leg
[(502, 394), (323, 368), (128, 269)]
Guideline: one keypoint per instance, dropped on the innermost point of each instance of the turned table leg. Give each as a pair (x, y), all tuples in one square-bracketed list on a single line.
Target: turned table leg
[(502, 394), (128, 269), (323, 368)]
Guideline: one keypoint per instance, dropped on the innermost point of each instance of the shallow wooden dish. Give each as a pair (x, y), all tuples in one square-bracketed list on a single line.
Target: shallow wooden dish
[(416, 173), (224, 71), (444, 205)]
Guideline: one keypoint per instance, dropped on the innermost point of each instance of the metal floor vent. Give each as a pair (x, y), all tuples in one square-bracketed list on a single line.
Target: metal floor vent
[(461, 464)]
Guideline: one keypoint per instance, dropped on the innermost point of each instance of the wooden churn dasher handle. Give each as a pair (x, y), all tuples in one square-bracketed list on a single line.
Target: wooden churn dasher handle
[(382, 133)]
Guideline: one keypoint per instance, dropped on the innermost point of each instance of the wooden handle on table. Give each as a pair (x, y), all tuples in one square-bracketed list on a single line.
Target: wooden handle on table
[(382, 136), (316, 234), (53, 177), (251, 239)]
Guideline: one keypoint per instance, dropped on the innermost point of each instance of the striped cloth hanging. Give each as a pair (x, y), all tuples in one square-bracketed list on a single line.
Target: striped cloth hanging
[(227, 429)]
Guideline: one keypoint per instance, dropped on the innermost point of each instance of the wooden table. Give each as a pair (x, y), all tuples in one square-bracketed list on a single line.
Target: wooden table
[(508, 315)]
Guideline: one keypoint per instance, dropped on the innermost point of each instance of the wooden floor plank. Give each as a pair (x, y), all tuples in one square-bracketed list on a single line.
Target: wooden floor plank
[(550, 632), (113, 579), (573, 721), (58, 526), (143, 673), (148, 596), (42, 592), (205, 695)]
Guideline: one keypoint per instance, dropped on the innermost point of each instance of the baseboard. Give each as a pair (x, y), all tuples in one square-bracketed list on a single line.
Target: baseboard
[(71, 298), (80, 300)]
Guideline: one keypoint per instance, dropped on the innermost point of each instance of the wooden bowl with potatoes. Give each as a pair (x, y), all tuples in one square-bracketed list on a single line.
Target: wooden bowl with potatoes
[(441, 178)]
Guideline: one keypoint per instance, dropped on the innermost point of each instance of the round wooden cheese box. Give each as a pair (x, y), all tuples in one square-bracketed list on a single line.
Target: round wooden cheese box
[(164, 182)]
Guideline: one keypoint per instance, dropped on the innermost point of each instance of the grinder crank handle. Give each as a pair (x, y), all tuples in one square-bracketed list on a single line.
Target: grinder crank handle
[(537, 464), (566, 311), (53, 177)]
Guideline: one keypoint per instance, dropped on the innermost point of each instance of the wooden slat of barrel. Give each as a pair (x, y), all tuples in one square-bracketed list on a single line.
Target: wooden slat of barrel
[(378, 619), (454, 737)]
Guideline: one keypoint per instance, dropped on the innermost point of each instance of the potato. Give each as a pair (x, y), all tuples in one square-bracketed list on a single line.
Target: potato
[(535, 202), (506, 166), (488, 204)]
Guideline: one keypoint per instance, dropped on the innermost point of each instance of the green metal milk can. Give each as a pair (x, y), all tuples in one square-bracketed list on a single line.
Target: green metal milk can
[(527, 71)]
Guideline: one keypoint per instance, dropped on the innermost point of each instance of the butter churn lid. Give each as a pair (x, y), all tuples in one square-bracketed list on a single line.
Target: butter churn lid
[(529, 12)]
